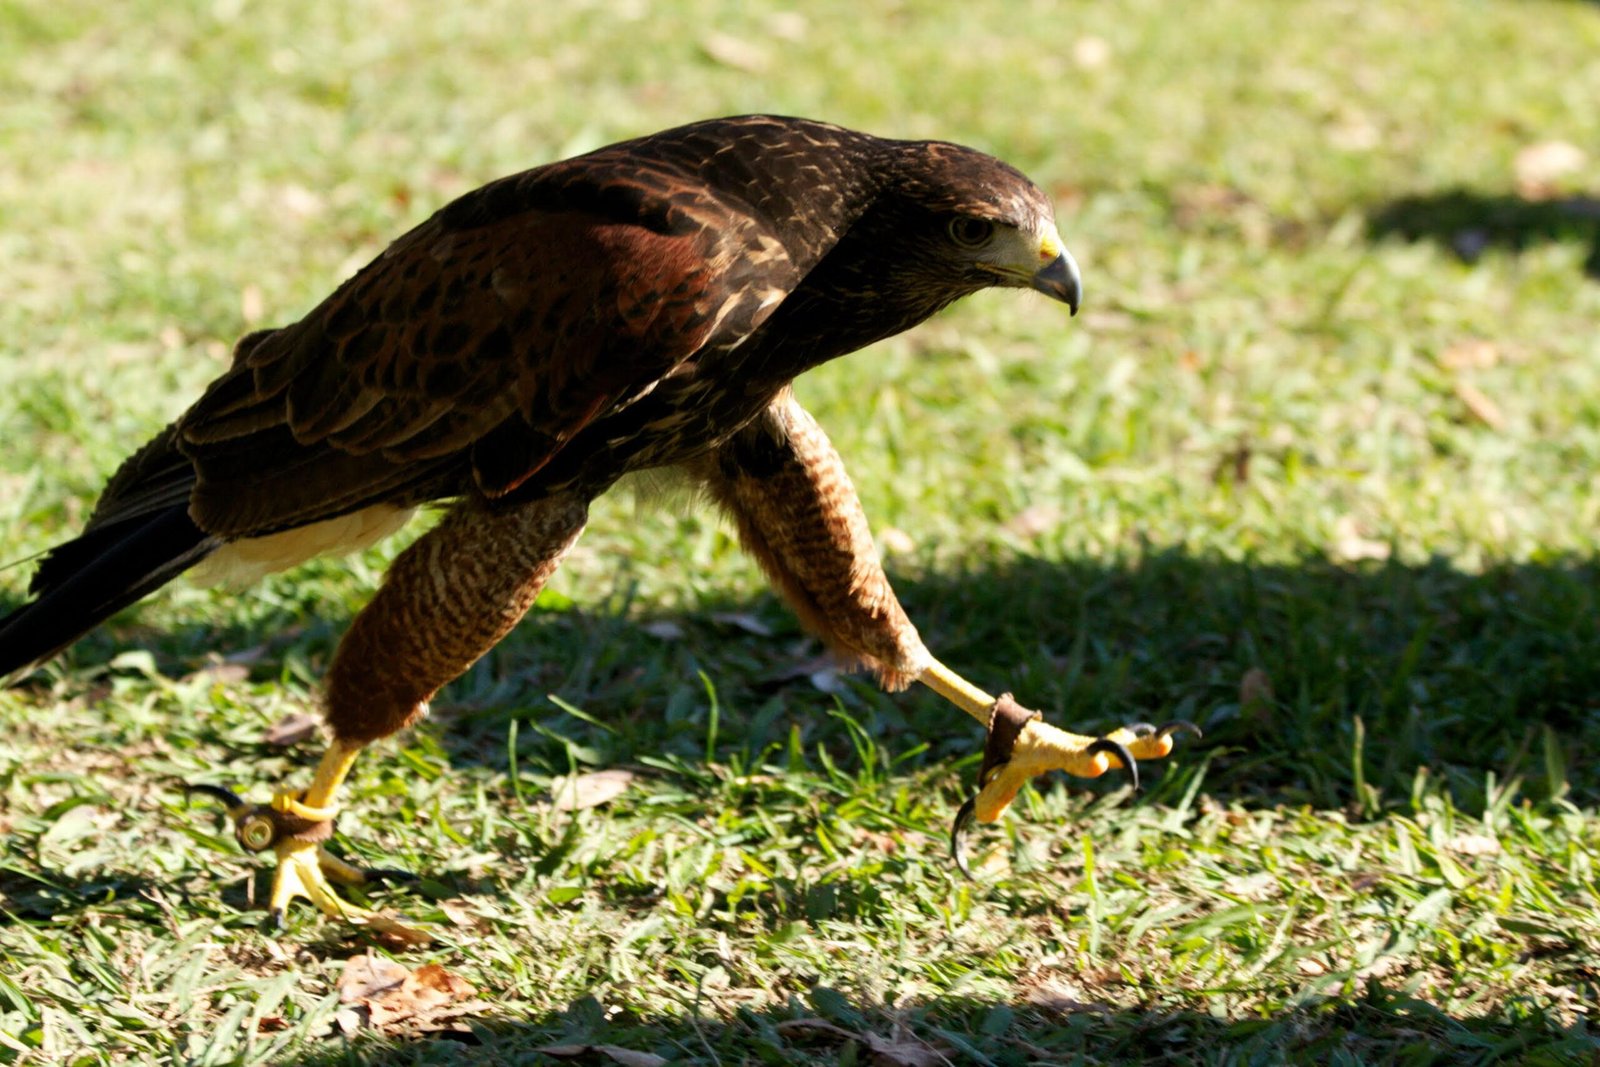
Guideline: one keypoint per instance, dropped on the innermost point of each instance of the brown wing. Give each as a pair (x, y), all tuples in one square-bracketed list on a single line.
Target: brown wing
[(482, 341)]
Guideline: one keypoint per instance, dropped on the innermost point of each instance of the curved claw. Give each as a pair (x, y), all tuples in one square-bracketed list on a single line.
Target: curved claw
[(216, 792), (1140, 729), (1120, 751), (958, 831), (1178, 726), (258, 827)]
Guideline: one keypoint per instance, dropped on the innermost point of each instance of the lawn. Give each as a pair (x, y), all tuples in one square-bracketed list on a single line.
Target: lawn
[(1316, 468)]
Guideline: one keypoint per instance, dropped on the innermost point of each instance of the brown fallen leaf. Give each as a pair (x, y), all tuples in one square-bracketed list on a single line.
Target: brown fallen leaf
[(886, 1052), (1350, 545), (1478, 403), (616, 1054), (1473, 845), (1540, 168), (1473, 354), (292, 729), (1354, 131), (251, 304), (381, 994), (735, 52), (1255, 694), (895, 541), (1060, 997), (664, 630), (743, 621), (369, 976), (220, 673), (1091, 53), (1034, 520), (787, 25), (575, 793), (822, 672)]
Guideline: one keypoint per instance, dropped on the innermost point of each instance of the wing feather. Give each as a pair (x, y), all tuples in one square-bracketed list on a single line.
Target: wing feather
[(477, 345)]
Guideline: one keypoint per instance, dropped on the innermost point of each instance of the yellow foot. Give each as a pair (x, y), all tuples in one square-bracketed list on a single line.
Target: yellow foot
[(305, 868), (1021, 745)]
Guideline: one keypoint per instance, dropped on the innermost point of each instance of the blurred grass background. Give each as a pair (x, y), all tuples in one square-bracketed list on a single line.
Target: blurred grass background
[(1316, 468)]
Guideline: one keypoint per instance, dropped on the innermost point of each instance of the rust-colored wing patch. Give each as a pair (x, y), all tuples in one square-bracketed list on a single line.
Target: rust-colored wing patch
[(469, 352)]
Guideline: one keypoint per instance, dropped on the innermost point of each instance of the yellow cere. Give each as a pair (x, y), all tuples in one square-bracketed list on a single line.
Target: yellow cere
[(1049, 245)]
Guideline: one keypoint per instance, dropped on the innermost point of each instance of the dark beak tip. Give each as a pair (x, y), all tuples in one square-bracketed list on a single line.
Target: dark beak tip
[(1059, 280)]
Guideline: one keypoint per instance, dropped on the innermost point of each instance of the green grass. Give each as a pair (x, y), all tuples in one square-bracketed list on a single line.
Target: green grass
[(1250, 486)]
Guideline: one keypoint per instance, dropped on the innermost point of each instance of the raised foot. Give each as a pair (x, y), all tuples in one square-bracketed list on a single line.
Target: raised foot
[(1021, 745), (305, 868)]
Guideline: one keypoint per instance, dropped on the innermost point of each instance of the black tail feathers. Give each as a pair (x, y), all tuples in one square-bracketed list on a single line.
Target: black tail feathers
[(83, 582)]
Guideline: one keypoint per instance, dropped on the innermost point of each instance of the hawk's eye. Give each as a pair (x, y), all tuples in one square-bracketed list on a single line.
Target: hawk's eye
[(969, 232)]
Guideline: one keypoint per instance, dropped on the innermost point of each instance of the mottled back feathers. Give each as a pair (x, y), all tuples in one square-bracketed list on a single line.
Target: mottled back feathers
[(544, 306)]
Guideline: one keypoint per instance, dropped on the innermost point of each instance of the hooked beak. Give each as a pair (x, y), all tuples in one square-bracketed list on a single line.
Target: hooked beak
[(1059, 280)]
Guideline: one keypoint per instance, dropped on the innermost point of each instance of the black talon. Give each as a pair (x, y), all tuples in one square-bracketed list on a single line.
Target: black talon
[(216, 792), (957, 831), (389, 875), (1179, 726), (1140, 729), (1119, 750)]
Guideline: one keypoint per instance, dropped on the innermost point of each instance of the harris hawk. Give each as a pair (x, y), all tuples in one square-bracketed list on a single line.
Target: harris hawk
[(644, 305)]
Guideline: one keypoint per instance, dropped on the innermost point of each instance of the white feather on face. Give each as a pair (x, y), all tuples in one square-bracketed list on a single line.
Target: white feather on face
[(245, 562)]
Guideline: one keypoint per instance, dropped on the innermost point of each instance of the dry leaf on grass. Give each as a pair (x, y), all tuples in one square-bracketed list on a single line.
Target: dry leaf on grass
[(822, 672), (292, 729), (1354, 131), (1350, 545), (1473, 845), (896, 541), (664, 629), (743, 621), (588, 790), (625, 1056), (1474, 354), (220, 672), (886, 1052), (735, 52), (1255, 694), (1059, 997), (1478, 403), (1091, 53), (787, 25), (1541, 167), (380, 994), (251, 304), (1034, 520), (1255, 686)]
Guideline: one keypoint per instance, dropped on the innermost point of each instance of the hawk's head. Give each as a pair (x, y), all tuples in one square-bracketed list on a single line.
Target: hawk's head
[(976, 222)]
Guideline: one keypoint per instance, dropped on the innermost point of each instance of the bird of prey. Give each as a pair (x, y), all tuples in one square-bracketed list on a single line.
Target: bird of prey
[(644, 305)]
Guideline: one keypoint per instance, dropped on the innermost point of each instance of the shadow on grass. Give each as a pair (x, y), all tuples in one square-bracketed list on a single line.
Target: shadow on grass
[(1317, 684), (1379, 1025), (1470, 223), (1459, 673), (1286, 666)]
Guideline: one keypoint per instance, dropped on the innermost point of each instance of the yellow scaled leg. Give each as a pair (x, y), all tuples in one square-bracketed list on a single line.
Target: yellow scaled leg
[(316, 803), (293, 825), (1025, 746)]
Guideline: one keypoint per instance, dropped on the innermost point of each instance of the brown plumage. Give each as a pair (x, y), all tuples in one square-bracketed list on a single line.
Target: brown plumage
[(644, 305)]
